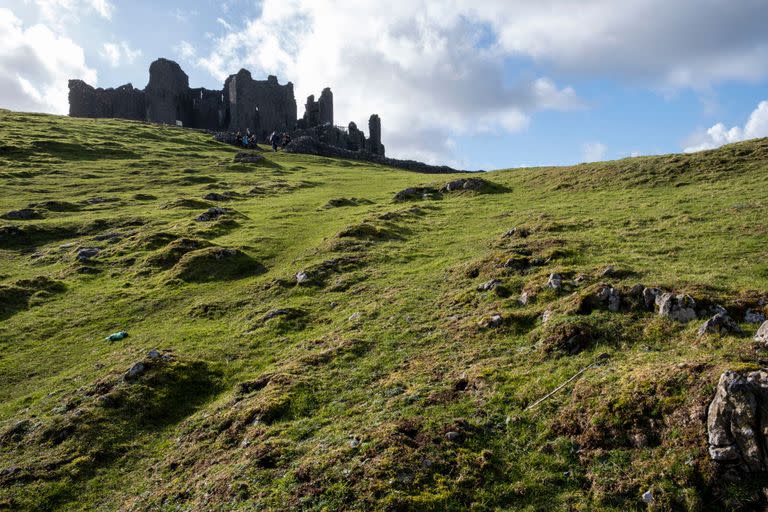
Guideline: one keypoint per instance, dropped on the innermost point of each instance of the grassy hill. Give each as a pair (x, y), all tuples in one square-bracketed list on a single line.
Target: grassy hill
[(317, 346)]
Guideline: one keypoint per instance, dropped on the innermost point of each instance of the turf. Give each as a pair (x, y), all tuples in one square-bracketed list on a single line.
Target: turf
[(323, 347)]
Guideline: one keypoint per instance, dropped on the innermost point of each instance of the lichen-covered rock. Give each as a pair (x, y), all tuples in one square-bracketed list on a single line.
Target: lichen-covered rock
[(212, 214), (87, 253), (555, 281), (681, 308), (609, 297), (489, 286), (721, 323), (493, 322), (754, 317), (762, 334), (651, 297), (416, 193), (737, 421), (469, 184), (23, 214), (248, 158)]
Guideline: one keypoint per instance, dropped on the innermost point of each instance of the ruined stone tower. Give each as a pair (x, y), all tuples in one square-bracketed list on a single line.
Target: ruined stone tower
[(374, 136), (325, 104), (320, 112), (167, 94)]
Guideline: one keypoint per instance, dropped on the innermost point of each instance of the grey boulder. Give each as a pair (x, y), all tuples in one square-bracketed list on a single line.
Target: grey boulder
[(762, 334), (737, 421), (681, 308), (721, 323)]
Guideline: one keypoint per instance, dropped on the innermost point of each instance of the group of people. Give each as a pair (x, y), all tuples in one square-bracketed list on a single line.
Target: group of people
[(279, 140), (248, 140)]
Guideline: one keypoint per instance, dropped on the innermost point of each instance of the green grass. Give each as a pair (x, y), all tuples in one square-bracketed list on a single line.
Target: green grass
[(337, 394)]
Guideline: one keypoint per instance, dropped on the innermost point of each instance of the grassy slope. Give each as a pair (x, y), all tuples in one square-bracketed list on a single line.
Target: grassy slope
[(410, 366)]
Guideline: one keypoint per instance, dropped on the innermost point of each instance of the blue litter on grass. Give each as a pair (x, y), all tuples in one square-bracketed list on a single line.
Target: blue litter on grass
[(121, 335)]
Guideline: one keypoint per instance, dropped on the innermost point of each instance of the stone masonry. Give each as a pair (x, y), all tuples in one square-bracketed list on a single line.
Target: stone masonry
[(244, 104)]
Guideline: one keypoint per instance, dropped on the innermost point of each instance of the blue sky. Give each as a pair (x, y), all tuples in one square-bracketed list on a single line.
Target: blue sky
[(496, 84)]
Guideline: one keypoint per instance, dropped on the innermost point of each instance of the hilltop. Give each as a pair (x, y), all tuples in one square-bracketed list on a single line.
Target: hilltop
[(313, 333)]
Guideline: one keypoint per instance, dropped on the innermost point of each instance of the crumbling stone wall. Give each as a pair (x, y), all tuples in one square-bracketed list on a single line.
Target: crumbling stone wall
[(261, 106), (244, 104), (208, 109), (125, 102)]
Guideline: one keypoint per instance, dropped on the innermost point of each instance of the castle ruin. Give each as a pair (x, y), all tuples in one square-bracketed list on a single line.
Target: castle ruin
[(244, 104)]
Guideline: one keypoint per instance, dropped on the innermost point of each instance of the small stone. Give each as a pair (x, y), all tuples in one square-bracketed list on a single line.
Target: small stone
[(521, 232), (555, 281), (135, 370), (721, 323), (275, 313), (545, 316), (493, 322), (302, 277), (610, 297), (608, 271), (648, 497), (88, 253), (523, 299), (153, 354), (489, 285), (754, 317), (452, 436), (354, 442), (354, 317), (651, 297)]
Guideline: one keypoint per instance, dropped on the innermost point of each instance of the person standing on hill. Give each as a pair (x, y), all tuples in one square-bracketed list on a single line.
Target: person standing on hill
[(273, 139)]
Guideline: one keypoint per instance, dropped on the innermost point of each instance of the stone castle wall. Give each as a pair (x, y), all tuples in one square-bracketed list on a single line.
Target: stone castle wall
[(244, 104), (260, 106)]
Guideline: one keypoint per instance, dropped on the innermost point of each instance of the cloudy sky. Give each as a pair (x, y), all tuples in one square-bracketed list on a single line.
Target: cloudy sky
[(481, 85)]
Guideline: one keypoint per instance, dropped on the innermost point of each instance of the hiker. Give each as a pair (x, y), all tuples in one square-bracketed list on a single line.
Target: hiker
[(273, 141), (245, 141), (238, 138), (286, 140)]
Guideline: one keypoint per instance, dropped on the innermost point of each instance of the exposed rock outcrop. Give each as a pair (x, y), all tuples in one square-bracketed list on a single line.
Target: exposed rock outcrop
[(737, 421), (310, 146)]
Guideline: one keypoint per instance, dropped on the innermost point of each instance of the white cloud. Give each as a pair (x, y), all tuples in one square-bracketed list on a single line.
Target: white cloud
[(185, 50), (422, 66), (60, 13), (223, 23), (433, 68), (117, 53), (103, 7), (35, 64), (718, 135), (594, 151)]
